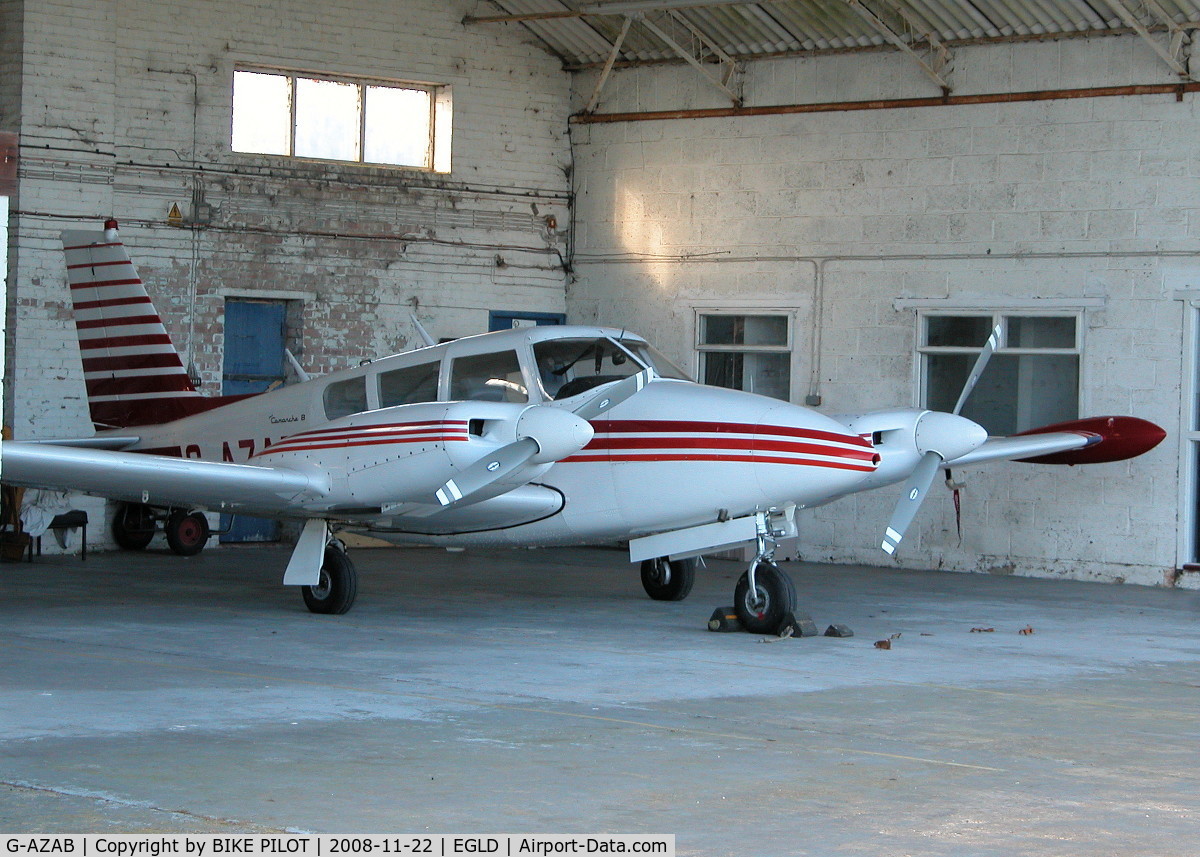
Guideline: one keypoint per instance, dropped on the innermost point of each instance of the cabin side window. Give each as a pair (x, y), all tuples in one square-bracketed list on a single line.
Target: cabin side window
[(343, 398), (409, 385), (488, 378)]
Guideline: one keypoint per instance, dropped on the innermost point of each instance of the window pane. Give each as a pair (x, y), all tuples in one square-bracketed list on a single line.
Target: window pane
[(1041, 332), (1015, 393), (568, 367), (655, 359), (262, 113), (744, 329), (766, 374), (397, 129), (488, 378), (963, 331), (327, 119), (1049, 389), (409, 385), (343, 398)]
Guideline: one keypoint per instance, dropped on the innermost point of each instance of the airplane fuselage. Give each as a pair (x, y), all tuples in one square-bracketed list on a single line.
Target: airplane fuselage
[(677, 454)]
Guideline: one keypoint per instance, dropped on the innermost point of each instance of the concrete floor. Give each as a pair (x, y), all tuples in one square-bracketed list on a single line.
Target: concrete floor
[(540, 691)]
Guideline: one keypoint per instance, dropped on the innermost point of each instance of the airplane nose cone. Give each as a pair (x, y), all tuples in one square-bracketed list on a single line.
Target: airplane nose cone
[(949, 435), (558, 432)]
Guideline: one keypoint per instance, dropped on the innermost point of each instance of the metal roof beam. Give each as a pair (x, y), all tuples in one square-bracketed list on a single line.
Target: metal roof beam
[(620, 7), (608, 66), (688, 57), (940, 57), (1176, 55)]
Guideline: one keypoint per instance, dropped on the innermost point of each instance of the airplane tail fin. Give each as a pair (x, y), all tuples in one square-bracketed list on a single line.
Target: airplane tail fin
[(133, 374)]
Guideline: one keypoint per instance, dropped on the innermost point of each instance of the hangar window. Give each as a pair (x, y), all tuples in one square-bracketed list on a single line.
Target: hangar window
[(1031, 381), (746, 352), (341, 119)]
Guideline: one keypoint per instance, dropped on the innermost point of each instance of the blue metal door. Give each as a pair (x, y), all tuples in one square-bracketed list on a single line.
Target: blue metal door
[(255, 339)]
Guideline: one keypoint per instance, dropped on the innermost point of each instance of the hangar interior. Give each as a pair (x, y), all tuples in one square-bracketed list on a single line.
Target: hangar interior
[(824, 201)]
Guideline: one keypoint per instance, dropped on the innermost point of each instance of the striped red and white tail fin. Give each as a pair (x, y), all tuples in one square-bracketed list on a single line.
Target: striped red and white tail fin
[(131, 369)]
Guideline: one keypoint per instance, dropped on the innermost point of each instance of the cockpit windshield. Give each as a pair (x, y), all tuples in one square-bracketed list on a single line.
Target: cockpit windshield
[(655, 359), (568, 367)]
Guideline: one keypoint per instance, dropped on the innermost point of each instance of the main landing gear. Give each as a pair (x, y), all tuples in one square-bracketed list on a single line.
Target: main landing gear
[(134, 525), (668, 580), (334, 594)]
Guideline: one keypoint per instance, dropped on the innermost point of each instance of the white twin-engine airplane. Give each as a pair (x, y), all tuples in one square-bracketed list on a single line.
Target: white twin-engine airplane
[(537, 436)]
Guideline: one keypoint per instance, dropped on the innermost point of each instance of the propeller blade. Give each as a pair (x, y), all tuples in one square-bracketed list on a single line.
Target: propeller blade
[(561, 433), (977, 370), (915, 489), (613, 396), (487, 470)]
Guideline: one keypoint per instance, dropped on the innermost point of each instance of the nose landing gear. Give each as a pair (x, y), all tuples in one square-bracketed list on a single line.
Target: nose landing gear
[(764, 595)]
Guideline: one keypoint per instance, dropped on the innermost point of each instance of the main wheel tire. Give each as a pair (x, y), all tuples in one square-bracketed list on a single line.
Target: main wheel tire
[(187, 534), (776, 597), (133, 526), (668, 580), (338, 587)]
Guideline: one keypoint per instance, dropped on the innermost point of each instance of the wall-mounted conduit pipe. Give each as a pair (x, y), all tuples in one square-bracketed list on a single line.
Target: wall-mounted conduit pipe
[(1176, 89)]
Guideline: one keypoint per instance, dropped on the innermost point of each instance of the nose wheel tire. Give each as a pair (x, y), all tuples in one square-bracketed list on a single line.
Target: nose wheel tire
[(762, 612), (186, 534), (335, 591), (668, 580)]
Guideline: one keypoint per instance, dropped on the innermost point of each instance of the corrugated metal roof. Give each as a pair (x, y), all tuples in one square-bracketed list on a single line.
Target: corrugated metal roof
[(582, 34)]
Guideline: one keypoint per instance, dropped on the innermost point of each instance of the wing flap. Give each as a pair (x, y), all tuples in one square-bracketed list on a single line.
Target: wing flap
[(157, 479)]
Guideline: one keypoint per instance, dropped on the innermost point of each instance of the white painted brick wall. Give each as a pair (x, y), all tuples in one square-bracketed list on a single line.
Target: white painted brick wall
[(937, 203), (127, 110)]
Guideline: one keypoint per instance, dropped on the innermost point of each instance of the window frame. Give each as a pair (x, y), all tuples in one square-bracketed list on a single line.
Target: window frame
[(437, 157), (994, 317), (702, 348)]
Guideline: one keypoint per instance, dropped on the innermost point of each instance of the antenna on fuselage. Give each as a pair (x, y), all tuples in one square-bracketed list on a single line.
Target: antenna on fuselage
[(296, 367), (429, 340)]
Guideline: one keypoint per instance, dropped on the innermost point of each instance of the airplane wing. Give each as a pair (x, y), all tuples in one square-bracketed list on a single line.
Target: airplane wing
[(1018, 448), (141, 478), (1088, 441), (95, 442)]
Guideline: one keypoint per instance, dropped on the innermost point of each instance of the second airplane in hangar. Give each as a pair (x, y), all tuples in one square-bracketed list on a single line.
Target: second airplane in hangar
[(537, 436)]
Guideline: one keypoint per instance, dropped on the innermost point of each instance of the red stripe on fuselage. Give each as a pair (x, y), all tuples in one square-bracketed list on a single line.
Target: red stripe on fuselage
[(423, 431), (693, 456), (750, 444), (330, 443), (314, 433), (679, 426)]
